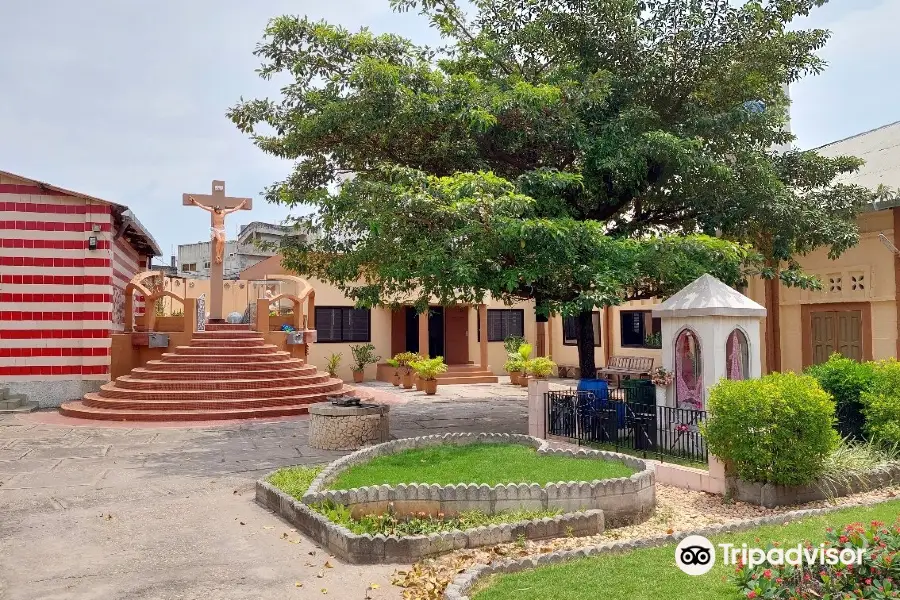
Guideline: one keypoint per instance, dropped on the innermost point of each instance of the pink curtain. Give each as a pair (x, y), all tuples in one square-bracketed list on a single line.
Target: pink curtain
[(688, 374)]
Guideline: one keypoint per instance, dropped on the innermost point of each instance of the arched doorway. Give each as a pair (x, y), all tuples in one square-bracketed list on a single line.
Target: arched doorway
[(688, 371), (737, 356)]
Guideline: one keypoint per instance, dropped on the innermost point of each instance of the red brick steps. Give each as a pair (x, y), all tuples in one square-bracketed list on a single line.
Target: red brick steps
[(227, 372)]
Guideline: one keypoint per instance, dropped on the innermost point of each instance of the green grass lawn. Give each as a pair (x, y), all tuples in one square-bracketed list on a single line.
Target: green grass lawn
[(651, 574), (476, 463), (294, 480)]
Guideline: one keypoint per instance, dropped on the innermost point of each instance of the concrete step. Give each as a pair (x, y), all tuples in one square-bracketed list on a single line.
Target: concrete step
[(223, 349), (226, 334), (111, 390), (234, 372), (118, 404), (16, 404), (463, 379), (227, 327), (79, 410), (212, 366), (249, 342), (245, 383), (274, 357)]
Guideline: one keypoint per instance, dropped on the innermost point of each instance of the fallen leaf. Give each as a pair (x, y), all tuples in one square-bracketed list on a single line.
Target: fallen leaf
[(312, 552), (324, 590), (298, 584), (321, 574), (242, 523), (328, 565), (374, 586), (268, 527)]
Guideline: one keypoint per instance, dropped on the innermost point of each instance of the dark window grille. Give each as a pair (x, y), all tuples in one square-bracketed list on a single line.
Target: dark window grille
[(636, 326), (336, 324), (504, 323), (570, 330)]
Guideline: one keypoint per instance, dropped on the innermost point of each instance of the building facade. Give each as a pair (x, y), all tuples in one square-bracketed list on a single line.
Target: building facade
[(65, 259)]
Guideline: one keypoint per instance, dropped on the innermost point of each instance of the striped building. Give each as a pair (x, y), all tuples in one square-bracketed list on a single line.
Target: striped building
[(65, 259)]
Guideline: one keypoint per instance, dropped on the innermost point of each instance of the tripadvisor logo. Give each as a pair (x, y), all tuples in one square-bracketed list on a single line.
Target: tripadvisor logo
[(696, 555)]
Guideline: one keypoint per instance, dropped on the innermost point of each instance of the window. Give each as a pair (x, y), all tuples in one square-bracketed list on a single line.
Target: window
[(504, 323), (189, 267), (570, 330), (640, 329), (343, 324), (206, 265)]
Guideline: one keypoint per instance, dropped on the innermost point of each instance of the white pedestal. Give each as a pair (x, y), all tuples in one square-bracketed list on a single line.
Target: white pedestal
[(662, 396), (537, 407)]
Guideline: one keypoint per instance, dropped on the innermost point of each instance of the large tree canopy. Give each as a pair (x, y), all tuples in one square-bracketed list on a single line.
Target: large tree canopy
[(566, 151)]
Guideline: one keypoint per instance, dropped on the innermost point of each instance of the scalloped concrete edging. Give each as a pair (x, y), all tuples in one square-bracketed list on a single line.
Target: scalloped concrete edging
[(463, 583), (770, 495), (625, 500)]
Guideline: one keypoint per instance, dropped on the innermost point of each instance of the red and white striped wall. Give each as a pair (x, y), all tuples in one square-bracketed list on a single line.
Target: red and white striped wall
[(56, 295)]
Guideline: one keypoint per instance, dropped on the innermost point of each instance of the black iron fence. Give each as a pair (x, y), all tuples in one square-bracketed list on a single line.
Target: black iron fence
[(627, 420)]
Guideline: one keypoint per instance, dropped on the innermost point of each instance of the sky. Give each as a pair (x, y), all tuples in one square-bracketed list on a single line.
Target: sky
[(125, 100)]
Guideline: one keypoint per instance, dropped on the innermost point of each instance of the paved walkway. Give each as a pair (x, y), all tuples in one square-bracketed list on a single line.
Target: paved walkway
[(112, 512)]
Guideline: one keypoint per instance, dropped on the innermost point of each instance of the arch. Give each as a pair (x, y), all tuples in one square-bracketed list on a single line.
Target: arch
[(737, 355), (689, 388)]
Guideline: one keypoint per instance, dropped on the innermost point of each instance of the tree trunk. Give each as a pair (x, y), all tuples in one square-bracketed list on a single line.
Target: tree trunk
[(585, 336)]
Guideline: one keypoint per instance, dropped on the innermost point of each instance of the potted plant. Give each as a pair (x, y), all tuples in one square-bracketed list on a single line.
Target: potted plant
[(524, 353), (428, 369), (540, 367), (363, 355), (662, 378), (334, 361), (395, 376), (403, 363), (514, 366)]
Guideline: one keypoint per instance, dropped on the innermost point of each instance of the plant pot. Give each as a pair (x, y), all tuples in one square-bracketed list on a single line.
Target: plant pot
[(395, 379), (429, 386), (358, 376), (419, 383), (407, 380), (514, 377), (523, 380)]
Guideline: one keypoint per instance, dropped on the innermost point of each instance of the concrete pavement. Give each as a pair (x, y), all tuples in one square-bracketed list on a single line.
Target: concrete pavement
[(100, 512)]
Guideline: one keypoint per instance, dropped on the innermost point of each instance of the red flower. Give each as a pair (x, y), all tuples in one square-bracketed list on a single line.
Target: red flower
[(767, 573), (751, 594)]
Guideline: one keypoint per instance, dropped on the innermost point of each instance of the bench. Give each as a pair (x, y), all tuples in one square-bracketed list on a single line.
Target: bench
[(629, 366)]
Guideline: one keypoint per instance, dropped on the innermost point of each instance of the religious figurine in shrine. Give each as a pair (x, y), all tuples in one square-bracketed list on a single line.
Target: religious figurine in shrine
[(217, 227)]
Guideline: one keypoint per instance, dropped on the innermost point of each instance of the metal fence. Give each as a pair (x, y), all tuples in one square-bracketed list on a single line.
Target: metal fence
[(622, 422)]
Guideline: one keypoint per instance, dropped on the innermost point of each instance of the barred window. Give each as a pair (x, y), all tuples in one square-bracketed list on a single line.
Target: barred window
[(343, 324)]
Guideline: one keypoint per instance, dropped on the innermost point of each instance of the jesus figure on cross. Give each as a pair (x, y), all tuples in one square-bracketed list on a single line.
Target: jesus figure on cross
[(217, 228)]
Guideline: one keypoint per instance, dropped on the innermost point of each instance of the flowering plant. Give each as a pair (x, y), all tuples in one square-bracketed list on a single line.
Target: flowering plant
[(875, 577), (662, 377)]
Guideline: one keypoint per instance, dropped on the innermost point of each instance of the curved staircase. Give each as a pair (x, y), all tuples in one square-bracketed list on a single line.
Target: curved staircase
[(227, 372)]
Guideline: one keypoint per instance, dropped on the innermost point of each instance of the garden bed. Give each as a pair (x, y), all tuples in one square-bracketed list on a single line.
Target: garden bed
[(579, 507), (644, 569)]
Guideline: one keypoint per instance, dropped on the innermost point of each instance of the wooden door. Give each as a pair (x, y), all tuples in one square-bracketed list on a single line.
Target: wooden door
[(836, 331), (456, 335)]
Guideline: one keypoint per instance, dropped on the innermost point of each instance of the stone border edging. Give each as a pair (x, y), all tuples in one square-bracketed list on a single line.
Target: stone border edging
[(771, 495), (625, 500), (462, 584)]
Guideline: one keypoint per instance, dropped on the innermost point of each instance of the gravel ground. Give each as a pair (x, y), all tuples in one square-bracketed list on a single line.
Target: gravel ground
[(677, 510)]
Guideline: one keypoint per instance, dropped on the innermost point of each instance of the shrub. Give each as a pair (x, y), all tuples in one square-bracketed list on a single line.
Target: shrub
[(429, 368), (777, 429), (334, 361), (363, 355), (881, 403), (853, 461), (845, 379), (875, 577), (512, 344), (524, 351), (404, 359), (540, 366), (514, 365)]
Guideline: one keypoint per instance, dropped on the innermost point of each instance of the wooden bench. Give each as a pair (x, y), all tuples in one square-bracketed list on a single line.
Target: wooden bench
[(629, 366)]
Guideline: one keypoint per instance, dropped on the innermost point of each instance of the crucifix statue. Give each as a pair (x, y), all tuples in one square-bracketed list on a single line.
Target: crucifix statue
[(218, 205)]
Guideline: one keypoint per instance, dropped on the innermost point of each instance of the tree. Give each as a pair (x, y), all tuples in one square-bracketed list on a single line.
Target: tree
[(570, 152)]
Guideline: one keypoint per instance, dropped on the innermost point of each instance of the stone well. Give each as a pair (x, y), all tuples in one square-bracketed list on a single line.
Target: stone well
[(334, 427)]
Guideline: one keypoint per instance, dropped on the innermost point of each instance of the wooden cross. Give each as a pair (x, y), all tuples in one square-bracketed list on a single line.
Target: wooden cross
[(218, 205), (217, 198)]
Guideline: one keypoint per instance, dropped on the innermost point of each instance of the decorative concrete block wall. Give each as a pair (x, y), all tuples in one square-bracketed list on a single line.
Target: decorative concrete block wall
[(587, 506)]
